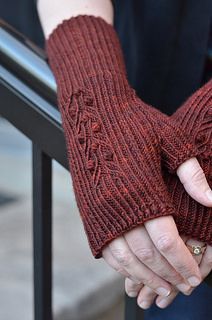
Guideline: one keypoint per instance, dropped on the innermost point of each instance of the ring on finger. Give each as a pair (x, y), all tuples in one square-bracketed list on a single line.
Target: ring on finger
[(196, 250)]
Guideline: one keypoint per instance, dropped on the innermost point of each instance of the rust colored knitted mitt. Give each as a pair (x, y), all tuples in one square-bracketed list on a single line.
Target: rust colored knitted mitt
[(114, 151), (195, 116)]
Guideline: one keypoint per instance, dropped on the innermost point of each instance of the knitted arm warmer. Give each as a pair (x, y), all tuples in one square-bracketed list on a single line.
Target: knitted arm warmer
[(195, 117), (113, 149)]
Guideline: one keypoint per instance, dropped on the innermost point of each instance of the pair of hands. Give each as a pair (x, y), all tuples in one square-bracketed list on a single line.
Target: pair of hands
[(154, 258), (99, 109)]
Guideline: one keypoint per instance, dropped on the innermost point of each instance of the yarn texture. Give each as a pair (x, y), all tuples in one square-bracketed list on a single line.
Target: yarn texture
[(115, 145), (195, 117)]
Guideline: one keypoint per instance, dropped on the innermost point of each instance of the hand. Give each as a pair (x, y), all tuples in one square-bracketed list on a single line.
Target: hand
[(154, 255), (146, 296)]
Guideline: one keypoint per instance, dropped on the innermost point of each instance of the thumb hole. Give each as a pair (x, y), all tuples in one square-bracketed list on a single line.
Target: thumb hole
[(194, 181)]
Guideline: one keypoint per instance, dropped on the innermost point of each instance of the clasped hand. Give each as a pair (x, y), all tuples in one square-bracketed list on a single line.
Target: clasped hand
[(154, 257)]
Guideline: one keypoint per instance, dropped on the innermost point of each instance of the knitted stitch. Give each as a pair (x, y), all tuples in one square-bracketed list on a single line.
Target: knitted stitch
[(114, 151), (195, 117)]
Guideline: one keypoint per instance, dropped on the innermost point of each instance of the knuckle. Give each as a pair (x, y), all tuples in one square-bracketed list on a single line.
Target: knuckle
[(135, 280), (121, 271), (151, 281), (198, 176), (123, 257), (185, 269), (166, 242), (167, 274), (145, 254), (174, 279)]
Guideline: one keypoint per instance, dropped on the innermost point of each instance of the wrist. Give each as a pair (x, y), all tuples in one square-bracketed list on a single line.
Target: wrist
[(52, 13)]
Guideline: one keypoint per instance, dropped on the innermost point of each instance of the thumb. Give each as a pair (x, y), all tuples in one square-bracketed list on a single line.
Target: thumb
[(194, 181)]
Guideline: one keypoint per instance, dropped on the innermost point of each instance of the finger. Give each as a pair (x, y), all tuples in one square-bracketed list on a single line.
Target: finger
[(111, 261), (165, 302), (194, 181), (132, 289), (165, 236), (144, 249), (138, 271), (206, 263), (146, 297), (197, 258)]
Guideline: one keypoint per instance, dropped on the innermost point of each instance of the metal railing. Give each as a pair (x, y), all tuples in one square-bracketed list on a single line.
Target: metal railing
[(28, 101)]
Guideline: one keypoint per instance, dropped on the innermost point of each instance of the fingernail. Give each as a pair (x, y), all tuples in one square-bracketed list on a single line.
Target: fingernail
[(162, 303), (189, 292), (194, 281), (132, 294), (144, 304), (183, 287), (163, 292), (209, 194)]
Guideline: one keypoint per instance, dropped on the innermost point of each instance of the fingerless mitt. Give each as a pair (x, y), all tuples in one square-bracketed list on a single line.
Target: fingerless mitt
[(195, 117), (113, 149)]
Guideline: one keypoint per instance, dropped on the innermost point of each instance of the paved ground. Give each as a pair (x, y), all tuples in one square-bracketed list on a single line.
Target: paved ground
[(83, 286)]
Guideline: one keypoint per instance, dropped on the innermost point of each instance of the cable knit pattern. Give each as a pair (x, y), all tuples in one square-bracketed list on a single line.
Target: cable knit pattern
[(195, 116), (114, 151)]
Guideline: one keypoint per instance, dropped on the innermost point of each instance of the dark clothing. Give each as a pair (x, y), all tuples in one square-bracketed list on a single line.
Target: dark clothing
[(22, 15), (165, 44), (194, 307)]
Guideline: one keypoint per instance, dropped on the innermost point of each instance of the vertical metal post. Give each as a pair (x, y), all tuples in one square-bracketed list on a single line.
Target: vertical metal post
[(42, 233), (132, 310)]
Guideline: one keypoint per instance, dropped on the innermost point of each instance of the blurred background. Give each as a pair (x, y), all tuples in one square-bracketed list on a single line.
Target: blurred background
[(83, 288)]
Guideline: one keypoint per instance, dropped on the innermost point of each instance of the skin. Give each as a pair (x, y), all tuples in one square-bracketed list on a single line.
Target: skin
[(53, 12), (153, 257), (146, 296)]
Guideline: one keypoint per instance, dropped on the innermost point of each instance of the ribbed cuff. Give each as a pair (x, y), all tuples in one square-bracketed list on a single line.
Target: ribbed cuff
[(81, 48)]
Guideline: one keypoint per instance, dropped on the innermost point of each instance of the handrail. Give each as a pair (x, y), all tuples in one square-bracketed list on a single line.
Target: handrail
[(24, 71), (27, 61), (28, 91)]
